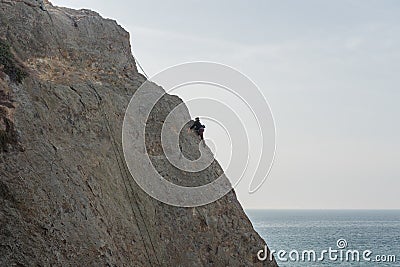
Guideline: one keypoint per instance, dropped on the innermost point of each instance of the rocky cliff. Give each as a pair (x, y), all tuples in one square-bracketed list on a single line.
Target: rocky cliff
[(66, 197)]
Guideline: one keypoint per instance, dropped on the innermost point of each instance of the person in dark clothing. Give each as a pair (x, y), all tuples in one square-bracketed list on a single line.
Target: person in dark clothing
[(41, 4), (198, 127)]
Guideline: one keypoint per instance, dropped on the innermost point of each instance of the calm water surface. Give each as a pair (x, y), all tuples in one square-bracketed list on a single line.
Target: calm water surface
[(317, 230)]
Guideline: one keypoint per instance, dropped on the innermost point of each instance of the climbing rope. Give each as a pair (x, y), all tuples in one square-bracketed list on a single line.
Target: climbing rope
[(140, 66), (125, 177)]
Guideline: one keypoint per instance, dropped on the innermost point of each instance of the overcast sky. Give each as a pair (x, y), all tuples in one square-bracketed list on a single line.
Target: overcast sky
[(329, 70)]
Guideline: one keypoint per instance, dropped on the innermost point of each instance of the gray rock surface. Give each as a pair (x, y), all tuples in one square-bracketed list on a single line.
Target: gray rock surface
[(66, 196)]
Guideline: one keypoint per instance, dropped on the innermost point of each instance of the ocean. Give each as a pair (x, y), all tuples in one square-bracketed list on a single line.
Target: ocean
[(330, 237)]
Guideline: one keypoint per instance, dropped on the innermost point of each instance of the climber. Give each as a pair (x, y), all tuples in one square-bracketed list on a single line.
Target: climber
[(41, 4), (198, 127)]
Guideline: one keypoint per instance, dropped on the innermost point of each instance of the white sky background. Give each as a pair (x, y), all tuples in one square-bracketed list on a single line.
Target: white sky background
[(329, 69)]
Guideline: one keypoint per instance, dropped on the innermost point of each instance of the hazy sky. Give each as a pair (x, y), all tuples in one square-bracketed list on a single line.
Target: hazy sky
[(329, 69)]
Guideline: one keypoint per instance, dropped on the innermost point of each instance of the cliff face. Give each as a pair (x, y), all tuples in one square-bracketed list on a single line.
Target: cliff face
[(66, 197)]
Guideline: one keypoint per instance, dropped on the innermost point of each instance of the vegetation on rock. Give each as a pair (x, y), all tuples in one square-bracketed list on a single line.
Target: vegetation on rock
[(10, 65)]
